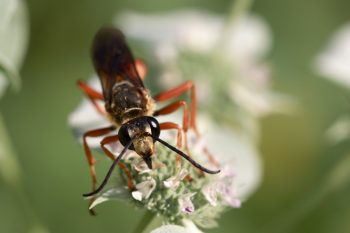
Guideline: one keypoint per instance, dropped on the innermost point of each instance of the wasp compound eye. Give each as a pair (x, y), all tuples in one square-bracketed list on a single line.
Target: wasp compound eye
[(155, 128), (124, 137)]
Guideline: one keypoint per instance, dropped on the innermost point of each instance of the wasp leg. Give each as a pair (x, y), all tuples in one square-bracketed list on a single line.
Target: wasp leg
[(93, 96), (111, 139), (89, 156), (177, 91), (171, 125), (172, 108), (141, 68)]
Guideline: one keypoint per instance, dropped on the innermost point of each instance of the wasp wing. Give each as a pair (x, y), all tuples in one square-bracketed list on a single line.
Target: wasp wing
[(113, 60)]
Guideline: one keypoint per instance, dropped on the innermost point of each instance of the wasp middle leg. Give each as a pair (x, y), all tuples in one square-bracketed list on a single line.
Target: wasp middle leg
[(89, 156), (185, 121), (177, 91)]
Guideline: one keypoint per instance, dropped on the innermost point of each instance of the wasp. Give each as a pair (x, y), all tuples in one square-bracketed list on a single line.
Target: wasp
[(131, 109)]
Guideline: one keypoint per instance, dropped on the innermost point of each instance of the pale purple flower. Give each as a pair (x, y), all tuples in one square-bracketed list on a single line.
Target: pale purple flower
[(222, 187), (185, 203)]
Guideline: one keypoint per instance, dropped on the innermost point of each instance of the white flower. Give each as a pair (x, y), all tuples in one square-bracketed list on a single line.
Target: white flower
[(334, 61), (174, 181), (240, 46), (235, 149), (185, 203), (176, 229), (155, 188), (189, 227), (140, 165), (144, 189), (13, 41)]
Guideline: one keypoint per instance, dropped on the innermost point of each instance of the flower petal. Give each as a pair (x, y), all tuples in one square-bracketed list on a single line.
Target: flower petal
[(210, 193), (13, 40), (174, 181), (144, 189), (185, 203), (170, 229), (190, 226), (334, 61)]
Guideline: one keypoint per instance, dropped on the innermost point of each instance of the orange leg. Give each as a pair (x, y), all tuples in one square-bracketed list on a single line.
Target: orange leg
[(171, 125), (172, 108), (93, 96), (141, 68), (177, 91), (108, 140), (90, 158)]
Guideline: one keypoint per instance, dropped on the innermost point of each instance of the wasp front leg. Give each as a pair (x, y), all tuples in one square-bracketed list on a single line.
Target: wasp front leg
[(113, 139), (93, 95), (171, 125)]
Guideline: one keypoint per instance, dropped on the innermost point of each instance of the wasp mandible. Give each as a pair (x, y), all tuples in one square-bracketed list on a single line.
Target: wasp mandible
[(130, 108)]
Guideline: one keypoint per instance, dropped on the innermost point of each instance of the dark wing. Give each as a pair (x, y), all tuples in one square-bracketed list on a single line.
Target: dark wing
[(113, 60)]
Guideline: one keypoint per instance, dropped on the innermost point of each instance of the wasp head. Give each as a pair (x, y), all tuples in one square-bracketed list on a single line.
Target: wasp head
[(141, 131)]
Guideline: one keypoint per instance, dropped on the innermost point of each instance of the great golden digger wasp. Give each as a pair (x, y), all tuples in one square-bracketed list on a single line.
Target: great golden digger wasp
[(131, 109)]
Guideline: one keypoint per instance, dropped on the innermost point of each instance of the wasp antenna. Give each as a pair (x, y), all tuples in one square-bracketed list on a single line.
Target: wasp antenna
[(185, 156), (109, 173)]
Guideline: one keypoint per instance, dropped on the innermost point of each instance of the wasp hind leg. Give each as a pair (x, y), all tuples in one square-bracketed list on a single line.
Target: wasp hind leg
[(93, 95)]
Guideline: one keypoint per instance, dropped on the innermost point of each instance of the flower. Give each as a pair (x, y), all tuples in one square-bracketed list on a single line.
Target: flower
[(174, 181), (144, 189), (199, 41), (13, 41), (165, 190), (222, 187), (185, 203), (184, 196), (334, 61), (334, 64)]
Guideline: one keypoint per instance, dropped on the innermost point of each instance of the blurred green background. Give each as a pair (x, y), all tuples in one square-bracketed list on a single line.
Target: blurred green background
[(297, 161)]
